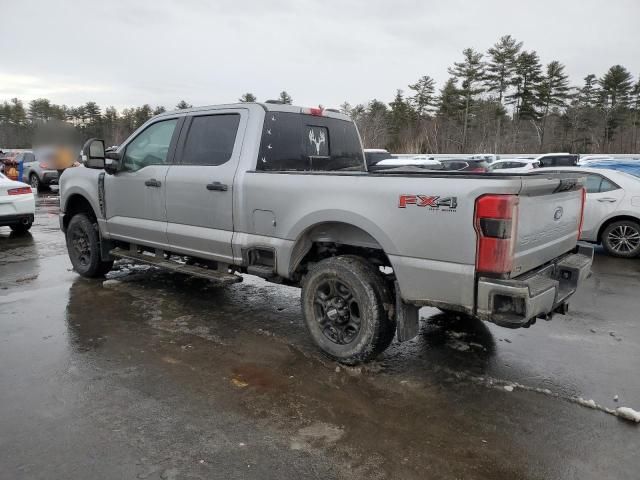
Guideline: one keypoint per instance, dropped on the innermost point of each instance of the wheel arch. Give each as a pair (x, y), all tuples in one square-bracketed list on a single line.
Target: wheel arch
[(77, 203), (614, 219), (334, 234)]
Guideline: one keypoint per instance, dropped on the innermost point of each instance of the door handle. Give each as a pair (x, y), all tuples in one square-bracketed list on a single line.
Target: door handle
[(221, 187), (152, 182), (609, 200)]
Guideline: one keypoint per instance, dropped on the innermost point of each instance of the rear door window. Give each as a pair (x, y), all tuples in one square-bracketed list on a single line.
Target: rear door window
[(593, 183), (296, 142), (210, 139), (607, 186)]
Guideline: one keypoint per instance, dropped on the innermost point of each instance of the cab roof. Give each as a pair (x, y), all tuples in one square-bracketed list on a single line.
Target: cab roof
[(267, 107)]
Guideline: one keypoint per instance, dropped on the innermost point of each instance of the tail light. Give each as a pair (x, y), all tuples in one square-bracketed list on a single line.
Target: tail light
[(496, 219), (584, 199), (478, 170), (44, 165), (19, 191)]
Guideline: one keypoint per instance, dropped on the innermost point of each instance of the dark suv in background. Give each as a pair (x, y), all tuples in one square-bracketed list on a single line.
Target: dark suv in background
[(558, 160)]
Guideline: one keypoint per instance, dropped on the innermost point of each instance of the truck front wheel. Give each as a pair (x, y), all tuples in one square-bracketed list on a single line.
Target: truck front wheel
[(346, 305), (83, 245)]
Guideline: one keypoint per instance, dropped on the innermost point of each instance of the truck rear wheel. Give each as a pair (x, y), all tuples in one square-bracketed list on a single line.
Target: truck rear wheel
[(83, 245), (346, 305)]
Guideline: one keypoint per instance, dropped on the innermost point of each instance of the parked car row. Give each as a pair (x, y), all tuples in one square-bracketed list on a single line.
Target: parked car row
[(479, 163)]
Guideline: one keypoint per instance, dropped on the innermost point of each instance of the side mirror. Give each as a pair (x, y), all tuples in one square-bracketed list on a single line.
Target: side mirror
[(111, 162), (93, 151)]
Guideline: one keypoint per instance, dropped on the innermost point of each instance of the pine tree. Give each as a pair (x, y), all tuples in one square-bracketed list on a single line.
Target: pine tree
[(182, 105), (424, 99), (158, 110), (499, 74), (589, 95), (635, 100), (142, 114), (400, 116), (247, 98), (346, 108), (553, 92), (39, 110), (615, 88), (528, 76), (285, 98), (450, 106), (470, 72), (92, 112), (450, 103)]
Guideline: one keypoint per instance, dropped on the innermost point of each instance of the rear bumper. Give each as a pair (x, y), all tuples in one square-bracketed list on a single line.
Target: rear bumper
[(49, 177), (518, 302), (8, 220)]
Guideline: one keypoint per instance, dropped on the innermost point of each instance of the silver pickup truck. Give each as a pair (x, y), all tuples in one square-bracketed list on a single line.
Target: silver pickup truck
[(284, 193)]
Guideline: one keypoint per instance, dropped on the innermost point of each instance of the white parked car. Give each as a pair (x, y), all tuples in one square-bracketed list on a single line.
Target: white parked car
[(17, 205), (514, 165), (612, 210), (417, 161)]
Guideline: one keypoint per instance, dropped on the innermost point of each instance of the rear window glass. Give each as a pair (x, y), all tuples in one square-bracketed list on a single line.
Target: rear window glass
[(593, 183), (291, 141), (210, 139)]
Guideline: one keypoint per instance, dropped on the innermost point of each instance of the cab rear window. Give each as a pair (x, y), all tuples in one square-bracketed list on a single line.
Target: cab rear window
[(296, 142)]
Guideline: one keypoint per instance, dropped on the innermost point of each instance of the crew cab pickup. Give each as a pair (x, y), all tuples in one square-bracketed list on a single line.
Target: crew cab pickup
[(284, 193)]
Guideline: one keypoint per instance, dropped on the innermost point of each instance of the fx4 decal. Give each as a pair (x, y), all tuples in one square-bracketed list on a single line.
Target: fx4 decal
[(430, 201)]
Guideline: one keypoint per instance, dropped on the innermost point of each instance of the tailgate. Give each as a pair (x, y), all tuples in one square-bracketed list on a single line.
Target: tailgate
[(549, 215)]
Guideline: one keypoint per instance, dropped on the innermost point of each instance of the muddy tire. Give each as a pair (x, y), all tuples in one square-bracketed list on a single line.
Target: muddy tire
[(83, 245), (622, 239), (346, 305)]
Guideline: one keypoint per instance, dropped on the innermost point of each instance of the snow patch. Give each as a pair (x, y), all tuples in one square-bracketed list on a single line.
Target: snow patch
[(628, 414)]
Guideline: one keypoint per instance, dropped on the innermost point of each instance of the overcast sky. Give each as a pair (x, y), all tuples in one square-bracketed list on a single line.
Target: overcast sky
[(125, 53)]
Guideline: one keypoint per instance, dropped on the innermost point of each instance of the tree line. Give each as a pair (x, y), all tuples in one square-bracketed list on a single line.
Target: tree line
[(502, 100), (20, 125), (506, 100)]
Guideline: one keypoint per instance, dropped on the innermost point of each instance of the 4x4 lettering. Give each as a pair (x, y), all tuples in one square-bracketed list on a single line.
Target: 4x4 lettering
[(433, 201)]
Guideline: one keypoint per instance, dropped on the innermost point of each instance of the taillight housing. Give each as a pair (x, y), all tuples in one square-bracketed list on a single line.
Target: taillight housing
[(19, 191), (584, 200), (315, 111), (44, 165), (496, 220)]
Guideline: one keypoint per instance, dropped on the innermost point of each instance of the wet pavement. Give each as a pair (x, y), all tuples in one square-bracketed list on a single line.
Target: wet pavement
[(154, 375)]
